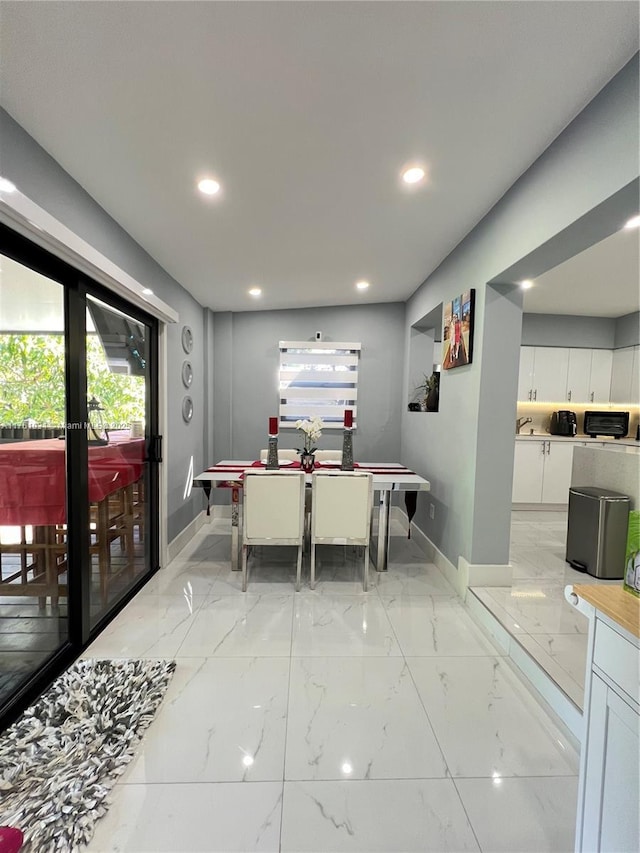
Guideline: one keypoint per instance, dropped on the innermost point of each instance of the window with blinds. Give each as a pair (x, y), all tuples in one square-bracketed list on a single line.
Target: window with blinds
[(318, 378)]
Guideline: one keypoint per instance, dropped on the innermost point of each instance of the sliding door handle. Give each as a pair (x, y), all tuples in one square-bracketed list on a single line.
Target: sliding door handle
[(155, 449)]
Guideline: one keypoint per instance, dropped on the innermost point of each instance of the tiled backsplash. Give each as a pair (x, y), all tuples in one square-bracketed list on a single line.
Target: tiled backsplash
[(540, 413)]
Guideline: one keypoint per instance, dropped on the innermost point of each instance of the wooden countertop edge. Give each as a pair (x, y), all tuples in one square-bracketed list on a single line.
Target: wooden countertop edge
[(615, 602)]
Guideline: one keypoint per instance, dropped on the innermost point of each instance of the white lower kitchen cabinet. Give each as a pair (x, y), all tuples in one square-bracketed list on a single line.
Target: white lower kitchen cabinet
[(542, 472), (528, 468), (608, 817), (557, 473)]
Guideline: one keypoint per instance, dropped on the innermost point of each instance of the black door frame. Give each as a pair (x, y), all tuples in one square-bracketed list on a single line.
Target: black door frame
[(77, 286)]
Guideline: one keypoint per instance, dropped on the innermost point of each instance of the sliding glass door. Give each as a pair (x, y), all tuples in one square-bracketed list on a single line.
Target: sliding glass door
[(33, 498), (79, 454), (119, 366)]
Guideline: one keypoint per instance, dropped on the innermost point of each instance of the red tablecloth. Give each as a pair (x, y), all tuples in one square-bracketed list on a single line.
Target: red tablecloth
[(32, 477)]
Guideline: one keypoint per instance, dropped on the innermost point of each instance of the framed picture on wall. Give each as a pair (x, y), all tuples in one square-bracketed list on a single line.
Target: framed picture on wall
[(457, 331)]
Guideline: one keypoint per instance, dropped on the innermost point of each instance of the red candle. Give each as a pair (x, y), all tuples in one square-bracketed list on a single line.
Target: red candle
[(273, 426), (348, 417)]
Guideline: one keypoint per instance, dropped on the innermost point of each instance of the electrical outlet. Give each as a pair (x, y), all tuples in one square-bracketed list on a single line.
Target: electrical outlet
[(432, 510)]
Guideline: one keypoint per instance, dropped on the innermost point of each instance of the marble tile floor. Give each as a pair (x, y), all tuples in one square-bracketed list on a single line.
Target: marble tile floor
[(330, 720), (534, 609)]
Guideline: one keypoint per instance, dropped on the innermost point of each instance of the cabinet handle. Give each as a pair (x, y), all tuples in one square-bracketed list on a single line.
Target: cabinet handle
[(592, 395), (530, 393), (535, 394), (569, 396)]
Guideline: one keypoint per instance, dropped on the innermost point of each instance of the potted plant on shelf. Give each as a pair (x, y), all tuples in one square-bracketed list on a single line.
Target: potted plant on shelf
[(427, 394)]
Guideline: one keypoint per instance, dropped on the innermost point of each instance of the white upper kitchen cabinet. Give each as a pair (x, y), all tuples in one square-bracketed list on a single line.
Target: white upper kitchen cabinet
[(570, 374), (635, 377), (551, 367), (579, 376), (543, 373), (624, 375), (525, 374), (600, 384)]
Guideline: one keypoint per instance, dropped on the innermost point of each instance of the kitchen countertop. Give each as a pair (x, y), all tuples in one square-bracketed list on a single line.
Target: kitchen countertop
[(614, 442)]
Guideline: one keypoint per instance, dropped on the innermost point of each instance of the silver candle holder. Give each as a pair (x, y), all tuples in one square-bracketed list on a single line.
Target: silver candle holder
[(347, 449), (272, 454)]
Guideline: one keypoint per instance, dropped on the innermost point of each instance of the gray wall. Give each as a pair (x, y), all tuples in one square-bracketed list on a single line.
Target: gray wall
[(246, 360), (627, 333), (466, 449), (43, 180), (556, 330)]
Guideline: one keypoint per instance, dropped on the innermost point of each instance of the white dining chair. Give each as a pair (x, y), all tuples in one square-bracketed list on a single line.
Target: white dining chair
[(341, 514), (273, 509), (283, 455), (328, 456)]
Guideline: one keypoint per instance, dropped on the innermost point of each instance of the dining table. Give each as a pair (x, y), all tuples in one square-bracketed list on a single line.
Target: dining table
[(387, 477)]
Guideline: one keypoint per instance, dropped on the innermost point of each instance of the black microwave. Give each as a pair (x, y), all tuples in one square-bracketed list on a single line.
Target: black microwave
[(606, 423)]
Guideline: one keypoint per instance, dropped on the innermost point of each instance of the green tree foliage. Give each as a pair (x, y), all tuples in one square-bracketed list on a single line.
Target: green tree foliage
[(32, 382)]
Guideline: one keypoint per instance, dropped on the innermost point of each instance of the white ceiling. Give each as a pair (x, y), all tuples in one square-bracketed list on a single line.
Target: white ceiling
[(602, 281), (306, 112)]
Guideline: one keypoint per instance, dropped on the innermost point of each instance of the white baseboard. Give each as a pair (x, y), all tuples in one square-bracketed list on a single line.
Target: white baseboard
[(466, 574), (422, 541), (220, 511), (176, 545), (484, 574), (435, 556), (534, 507)]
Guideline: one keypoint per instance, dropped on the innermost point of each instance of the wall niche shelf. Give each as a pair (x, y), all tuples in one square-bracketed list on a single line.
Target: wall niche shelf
[(424, 360)]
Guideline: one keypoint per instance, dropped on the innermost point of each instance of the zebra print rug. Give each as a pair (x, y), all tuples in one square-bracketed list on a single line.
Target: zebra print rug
[(59, 761)]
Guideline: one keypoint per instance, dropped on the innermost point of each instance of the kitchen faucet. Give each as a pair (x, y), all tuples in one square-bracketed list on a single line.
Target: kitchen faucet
[(520, 422)]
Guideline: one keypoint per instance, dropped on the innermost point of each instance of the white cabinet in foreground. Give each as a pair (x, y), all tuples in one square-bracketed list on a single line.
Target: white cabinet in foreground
[(608, 816), (612, 792)]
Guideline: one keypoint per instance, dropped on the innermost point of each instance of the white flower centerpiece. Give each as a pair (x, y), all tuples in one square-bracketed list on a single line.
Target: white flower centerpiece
[(312, 430)]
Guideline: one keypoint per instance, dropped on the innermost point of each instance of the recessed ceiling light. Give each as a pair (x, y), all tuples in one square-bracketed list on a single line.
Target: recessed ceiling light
[(634, 222), (147, 291), (362, 285), (255, 291), (208, 186), (6, 186), (413, 175), (526, 284)]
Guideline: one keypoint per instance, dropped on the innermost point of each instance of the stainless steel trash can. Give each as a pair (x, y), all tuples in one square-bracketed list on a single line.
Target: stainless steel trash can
[(597, 531)]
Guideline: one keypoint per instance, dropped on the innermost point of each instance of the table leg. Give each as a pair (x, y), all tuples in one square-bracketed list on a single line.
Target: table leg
[(235, 525), (383, 531), (207, 491)]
